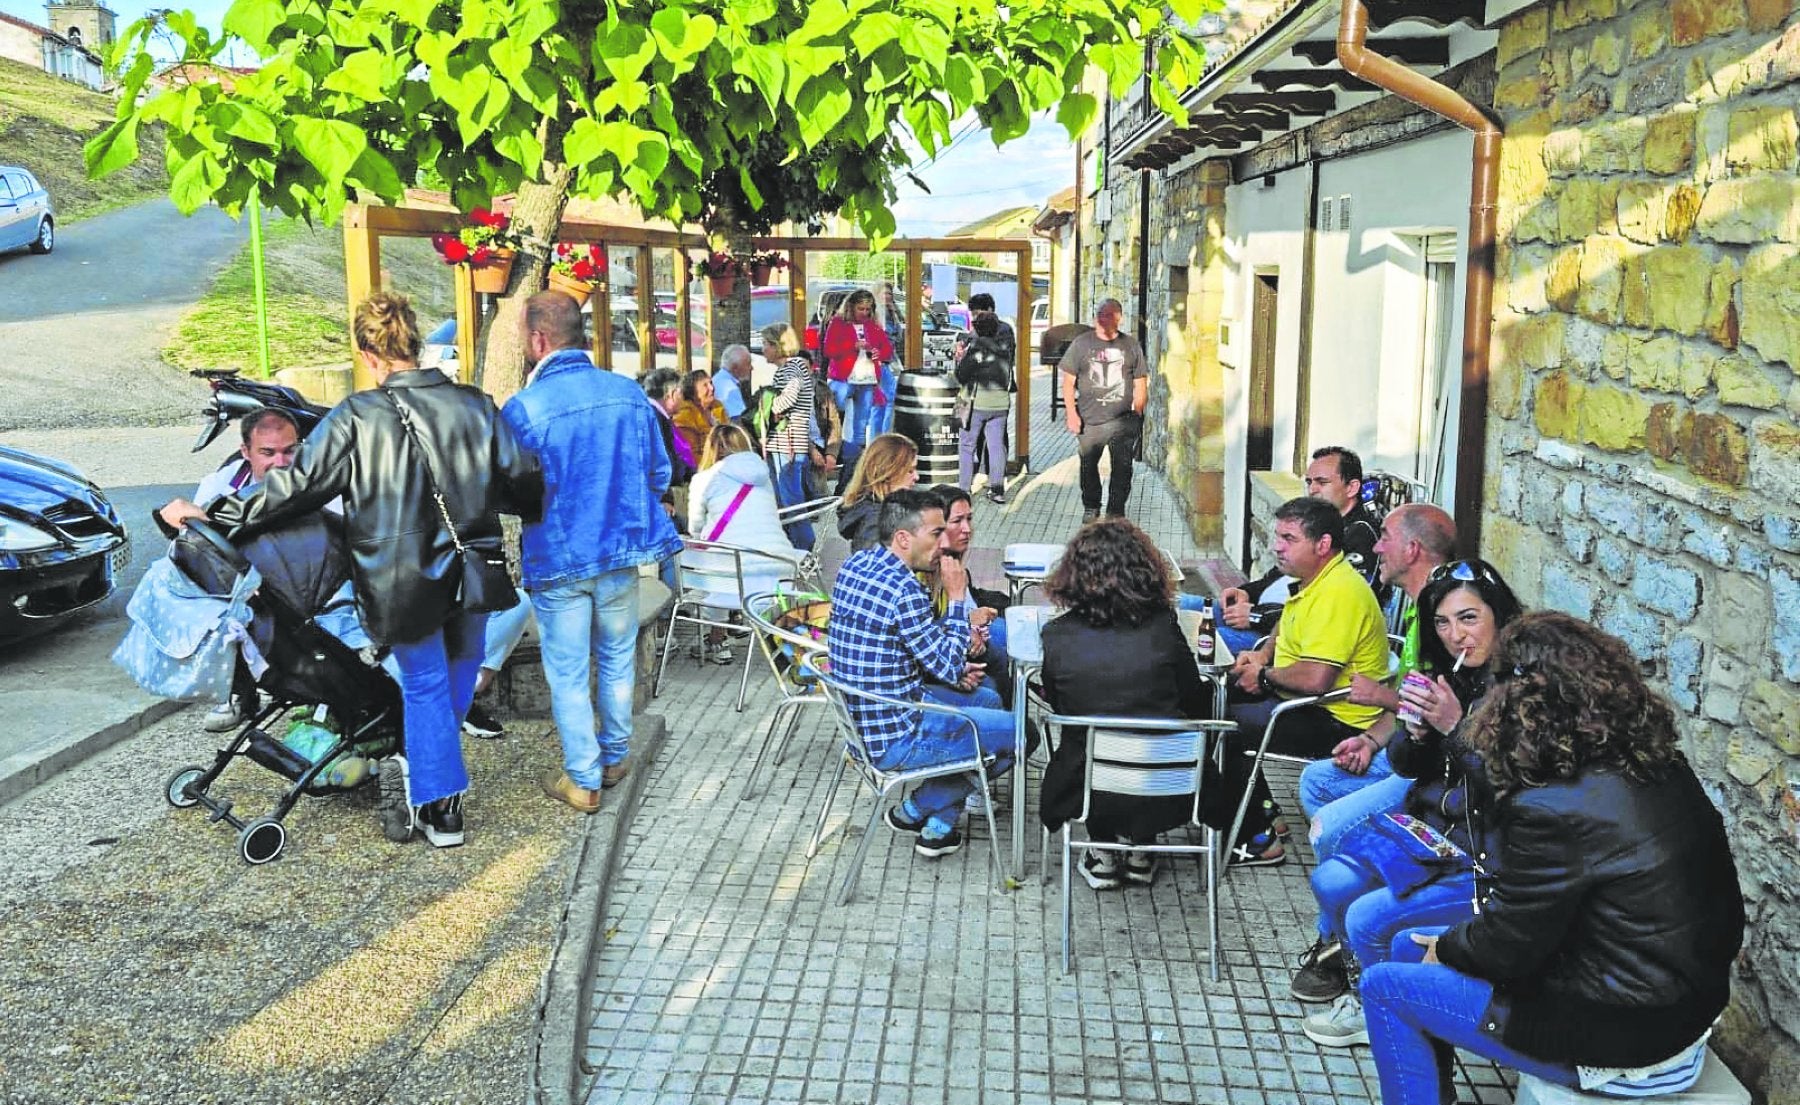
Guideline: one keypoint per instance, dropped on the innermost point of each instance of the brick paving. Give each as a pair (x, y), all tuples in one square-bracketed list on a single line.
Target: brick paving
[(727, 972)]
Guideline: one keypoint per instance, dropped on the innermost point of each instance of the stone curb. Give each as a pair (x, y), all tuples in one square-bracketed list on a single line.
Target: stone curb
[(557, 1073), (21, 773)]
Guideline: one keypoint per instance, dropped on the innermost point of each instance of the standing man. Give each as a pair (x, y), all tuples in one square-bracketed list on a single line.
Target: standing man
[(1105, 387), (981, 303), (883, 638), (732, 382), (605, 472)]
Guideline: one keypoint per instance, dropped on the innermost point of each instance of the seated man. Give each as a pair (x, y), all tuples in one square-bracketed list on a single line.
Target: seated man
[(882, 638), (1331, 632)]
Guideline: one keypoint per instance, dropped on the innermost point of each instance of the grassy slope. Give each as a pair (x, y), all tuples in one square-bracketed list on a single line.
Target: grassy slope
[(308, 317), (43, 123)]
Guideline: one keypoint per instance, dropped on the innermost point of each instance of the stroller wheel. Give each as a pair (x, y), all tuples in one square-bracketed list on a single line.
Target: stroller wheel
[(261, 840), (176, 789)]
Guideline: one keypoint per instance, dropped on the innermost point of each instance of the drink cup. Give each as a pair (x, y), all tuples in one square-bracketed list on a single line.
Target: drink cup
[(1407, 714)]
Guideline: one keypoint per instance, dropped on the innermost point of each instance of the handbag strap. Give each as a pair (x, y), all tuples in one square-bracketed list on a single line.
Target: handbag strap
[(425, 460), (725, 518)]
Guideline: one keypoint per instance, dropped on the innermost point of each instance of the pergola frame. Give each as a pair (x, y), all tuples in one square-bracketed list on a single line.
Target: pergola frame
[(366, 225)]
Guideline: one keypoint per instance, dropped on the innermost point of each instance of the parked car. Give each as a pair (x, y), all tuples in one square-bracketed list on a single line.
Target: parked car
[(439, 348), (27, 218), (1040, 319), (62, 545)]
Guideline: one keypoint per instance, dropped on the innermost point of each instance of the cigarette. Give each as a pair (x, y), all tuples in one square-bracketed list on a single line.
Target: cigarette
[(1461, 657)]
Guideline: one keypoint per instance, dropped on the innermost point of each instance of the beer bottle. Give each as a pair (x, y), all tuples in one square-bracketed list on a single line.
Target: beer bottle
[(1205, 646)]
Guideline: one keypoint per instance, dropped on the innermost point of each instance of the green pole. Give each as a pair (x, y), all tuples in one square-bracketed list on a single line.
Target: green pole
[(256, 269)]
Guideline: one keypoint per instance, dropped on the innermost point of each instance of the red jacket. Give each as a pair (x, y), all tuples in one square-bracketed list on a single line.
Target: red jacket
[(839, 348)]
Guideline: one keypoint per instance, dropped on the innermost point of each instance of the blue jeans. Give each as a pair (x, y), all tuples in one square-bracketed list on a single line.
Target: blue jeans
[(857, 401), (1349, 812), (1323, 782), (986, 432), (942, 739), (437, 683), (882, 414), (504, 630), (1357, 906), (1237, 640), (985, 696), (1417, 1013), (791, 490), (595, 617)]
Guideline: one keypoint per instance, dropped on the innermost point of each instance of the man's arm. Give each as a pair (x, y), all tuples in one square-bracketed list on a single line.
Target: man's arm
[(938, 646), (1070, 418), (1140, 394)]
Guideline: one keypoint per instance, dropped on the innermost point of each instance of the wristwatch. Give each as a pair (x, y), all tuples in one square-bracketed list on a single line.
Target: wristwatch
[(1263, 682)]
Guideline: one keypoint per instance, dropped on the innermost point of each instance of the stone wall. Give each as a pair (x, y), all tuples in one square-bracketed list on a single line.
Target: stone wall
[(1643, 451)]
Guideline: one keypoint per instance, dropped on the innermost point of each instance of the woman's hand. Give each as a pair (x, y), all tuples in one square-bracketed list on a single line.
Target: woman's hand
[(1429, 943), (1437, 704), (1354, 753)]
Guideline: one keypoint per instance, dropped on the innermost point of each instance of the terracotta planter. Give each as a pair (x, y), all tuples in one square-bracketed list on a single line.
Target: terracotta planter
[(578, 290), (491, 278), (722, 286), (759, 274)]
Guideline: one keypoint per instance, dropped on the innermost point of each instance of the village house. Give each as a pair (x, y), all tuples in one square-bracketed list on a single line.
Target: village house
[(1565, 300)]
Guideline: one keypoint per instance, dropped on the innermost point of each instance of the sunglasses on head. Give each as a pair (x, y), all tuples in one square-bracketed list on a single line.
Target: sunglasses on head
[(1468, 571)]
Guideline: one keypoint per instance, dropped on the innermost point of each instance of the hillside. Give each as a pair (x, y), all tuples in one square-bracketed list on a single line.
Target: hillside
[(43, 123)]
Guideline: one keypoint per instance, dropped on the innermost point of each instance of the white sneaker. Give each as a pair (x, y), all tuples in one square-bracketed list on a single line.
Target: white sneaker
[(1340, 1026), (224, 717), (975, 805)]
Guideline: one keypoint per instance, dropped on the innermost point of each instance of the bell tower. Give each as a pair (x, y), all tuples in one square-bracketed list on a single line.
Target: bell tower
[(88, 22)]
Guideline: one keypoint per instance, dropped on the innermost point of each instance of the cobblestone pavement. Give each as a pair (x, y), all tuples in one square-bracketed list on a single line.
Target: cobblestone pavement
[(728, 973)]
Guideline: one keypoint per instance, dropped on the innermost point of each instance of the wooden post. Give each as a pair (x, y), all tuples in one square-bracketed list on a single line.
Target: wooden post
[(468, 323), (684, 313), (1022, 336), (602, 314), (646, 301), (915, 318), (362, 277), (797, 293)]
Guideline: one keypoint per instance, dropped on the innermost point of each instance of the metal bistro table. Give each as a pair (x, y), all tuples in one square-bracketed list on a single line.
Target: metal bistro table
[(1025, 644), (1028, 565)]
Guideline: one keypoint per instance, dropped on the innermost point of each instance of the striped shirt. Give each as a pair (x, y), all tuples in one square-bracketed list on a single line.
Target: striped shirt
[(883, 638), (793, 411)]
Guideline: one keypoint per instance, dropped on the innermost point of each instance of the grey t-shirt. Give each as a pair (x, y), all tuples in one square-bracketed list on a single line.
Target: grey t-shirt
[(1104, 373)]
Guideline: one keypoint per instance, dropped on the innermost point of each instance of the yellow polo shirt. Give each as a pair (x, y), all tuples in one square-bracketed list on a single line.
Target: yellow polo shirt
[(1336, 620)]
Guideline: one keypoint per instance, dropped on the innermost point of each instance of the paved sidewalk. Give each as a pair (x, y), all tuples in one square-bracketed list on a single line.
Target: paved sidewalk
[(728, 973)]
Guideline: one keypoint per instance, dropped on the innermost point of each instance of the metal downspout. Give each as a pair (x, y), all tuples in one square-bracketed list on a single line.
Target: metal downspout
[(1478, 296)]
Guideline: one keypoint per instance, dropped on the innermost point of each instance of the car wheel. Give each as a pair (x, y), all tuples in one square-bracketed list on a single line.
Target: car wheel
[(46, 237)]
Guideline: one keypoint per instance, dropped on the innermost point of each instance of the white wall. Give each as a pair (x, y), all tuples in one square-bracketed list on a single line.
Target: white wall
[(1368, 305)]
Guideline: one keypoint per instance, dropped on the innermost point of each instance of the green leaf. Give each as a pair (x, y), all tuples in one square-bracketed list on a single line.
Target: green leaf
[(511, 56), (331, 145), (751, 192), (520, 146), (824, 19), (962, 81), (680, 35), (254, 21), (362, 74), (585, 143), (194, 182), (822, 102), (1077, 113), (533, 21), (624, 51), (112, 149), (375, 173), (625, 97), (764, 68)]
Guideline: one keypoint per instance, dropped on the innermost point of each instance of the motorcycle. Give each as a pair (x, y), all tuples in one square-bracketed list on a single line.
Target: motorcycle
[(234, 396)]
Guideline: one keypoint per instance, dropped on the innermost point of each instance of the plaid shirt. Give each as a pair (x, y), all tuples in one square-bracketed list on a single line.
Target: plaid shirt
[(882, 638)]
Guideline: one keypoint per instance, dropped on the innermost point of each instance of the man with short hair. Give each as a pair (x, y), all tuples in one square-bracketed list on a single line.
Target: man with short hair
[(1331, 631), (1336, 475), (732, 382), (883, 638), (605, 471), (1105, 388), (981, 303)]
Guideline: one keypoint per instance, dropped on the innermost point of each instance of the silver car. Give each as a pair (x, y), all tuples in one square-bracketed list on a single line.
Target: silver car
[(27, 218)]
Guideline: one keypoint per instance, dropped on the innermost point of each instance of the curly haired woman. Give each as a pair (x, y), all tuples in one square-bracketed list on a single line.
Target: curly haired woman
[(1603, 954)]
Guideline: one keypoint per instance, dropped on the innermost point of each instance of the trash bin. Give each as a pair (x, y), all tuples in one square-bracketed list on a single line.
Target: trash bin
[(925, 410)]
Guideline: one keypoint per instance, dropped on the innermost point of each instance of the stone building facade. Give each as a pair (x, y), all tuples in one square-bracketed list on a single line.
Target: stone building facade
[(1642, 451)]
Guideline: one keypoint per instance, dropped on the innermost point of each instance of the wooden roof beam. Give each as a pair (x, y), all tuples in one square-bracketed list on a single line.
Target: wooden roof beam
[(1423, 50), (1293, 103), (1272, 79)]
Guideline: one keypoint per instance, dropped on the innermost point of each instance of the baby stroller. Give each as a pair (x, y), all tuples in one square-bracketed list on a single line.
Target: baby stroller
[(302, 566)]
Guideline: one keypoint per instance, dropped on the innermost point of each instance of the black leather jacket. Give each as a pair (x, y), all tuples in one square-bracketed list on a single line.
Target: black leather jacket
[(1613, 923), (402, 558)]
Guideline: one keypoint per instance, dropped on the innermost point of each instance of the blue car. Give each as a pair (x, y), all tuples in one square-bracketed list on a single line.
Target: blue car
[(27, 218), (62, 546)]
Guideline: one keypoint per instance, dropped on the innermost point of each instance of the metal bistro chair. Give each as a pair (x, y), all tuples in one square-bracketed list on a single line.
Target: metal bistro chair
[(751, 570), (784, 648), (884, 783), (811, 511), (1145, 758), (1387, 490)]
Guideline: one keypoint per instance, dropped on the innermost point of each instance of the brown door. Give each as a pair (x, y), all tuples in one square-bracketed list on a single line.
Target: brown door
[(1259, 450)]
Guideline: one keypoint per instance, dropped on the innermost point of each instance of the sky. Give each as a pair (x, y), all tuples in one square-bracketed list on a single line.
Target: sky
[(968, 181)]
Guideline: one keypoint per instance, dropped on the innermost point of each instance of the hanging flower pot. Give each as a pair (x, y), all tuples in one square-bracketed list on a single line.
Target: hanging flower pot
[(722, 286), (578, 290), (490, 275), (760, 273), (763, 266)]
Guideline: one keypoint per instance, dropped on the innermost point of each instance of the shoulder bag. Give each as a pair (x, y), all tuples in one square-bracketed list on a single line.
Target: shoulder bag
[(484, 585), (863, 371)]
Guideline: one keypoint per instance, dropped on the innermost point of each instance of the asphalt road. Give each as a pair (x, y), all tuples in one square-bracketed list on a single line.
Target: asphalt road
[(81, 329)]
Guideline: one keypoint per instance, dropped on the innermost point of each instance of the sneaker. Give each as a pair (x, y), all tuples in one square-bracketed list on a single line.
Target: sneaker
[(714, 653), (1088, 514), (931, 847), (1261, 850), (996, 496), (1340, 1026), (226, 716), (481, 724), (1321, 976), (395, 811), (557, 784), (975, 805), (1274, 817), (1140, 867), (898, 821), (1101, 870), (442, 821)]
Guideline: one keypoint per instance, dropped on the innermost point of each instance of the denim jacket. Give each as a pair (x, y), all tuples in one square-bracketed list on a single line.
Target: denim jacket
[(605, 471)]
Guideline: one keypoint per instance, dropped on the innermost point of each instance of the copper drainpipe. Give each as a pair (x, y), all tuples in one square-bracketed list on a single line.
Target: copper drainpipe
[(1478, 295)]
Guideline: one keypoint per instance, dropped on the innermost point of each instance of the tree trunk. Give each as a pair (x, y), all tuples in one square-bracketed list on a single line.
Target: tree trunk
[(731, 315), (537, 213)]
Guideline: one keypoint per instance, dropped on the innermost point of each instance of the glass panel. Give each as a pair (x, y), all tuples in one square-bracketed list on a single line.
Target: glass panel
[(622, 263)]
